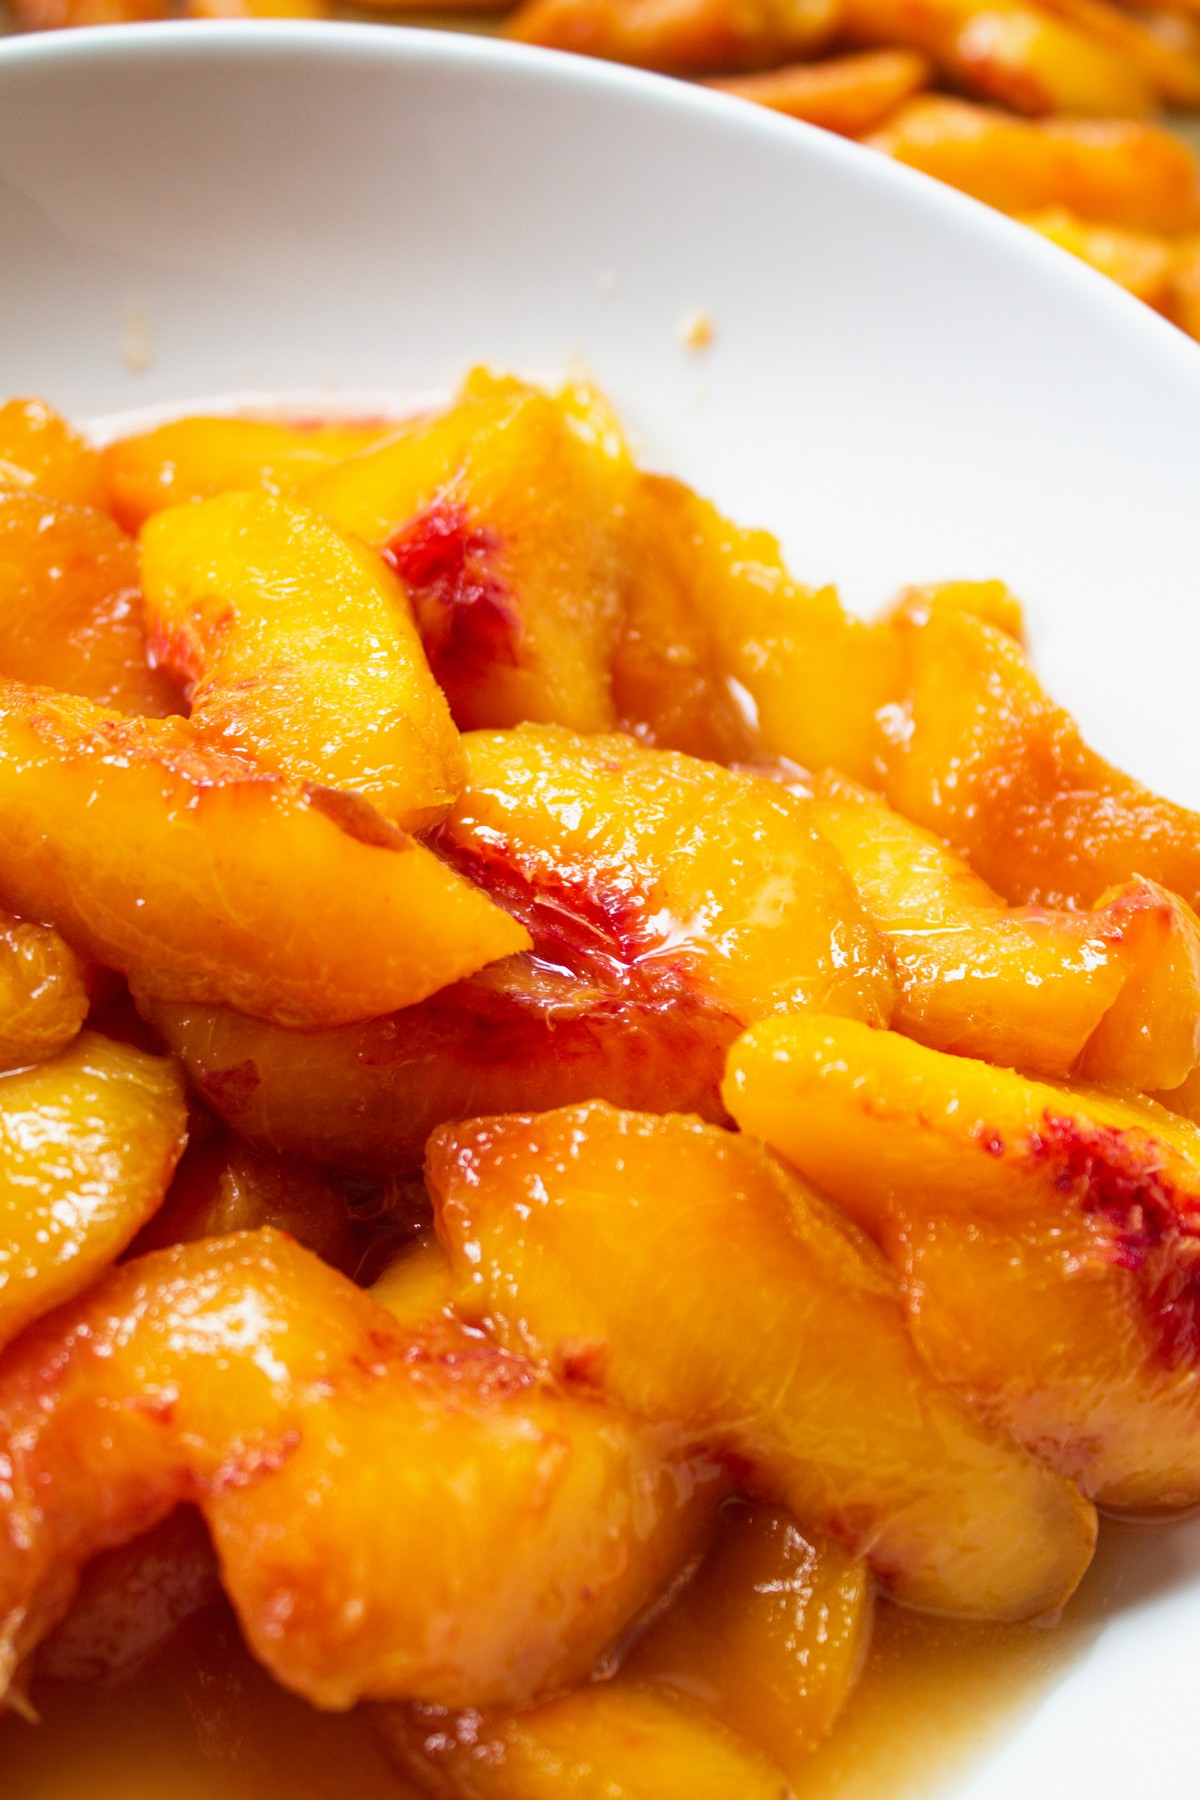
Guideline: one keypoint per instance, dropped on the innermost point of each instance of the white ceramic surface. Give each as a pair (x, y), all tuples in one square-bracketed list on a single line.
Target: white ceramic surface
[(901, 384)]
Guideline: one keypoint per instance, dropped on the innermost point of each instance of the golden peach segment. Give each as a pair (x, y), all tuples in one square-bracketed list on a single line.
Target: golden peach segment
[(990, 601), (88, 1144), (1008, 51), (71, 607), (692, 1278), (1144, 265), (611, 1739), (1113, 994), (40, 452), (523, 1035), (1037, 814), (1120, 173), (769, 1636), (1045, 1237), (688, 38), (817, 679), (668, 865), (1163, 46), (298, 649), (223, 1185), (196, 458), (393, 1517), (849, 94), (43, 993), (501, 517), (204, 879)]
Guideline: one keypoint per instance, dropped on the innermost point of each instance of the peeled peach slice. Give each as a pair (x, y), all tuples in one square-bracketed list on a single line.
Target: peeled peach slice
[(1113, 993), (393, 1517), (691, 37), (849, 94), (41, 453), (88, 1144), (195, 458), (670, 865), (501, 516), (1046, 1237), (686, 1273), (43, 992), (527, 1034), (298, 649), (205, 879), (71, 608), (1039, 815)]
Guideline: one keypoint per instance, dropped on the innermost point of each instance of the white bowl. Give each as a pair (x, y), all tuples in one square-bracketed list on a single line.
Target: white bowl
[(901, 384)]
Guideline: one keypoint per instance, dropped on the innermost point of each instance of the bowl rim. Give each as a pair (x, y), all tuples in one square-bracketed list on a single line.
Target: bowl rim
[(504, 61)]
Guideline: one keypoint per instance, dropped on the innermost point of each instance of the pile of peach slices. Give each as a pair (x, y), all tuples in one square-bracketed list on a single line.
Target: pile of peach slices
[(587, 1111)]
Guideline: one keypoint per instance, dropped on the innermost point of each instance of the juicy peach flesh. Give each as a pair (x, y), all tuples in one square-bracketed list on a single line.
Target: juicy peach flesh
[(785, 1345), (1045, 1237)]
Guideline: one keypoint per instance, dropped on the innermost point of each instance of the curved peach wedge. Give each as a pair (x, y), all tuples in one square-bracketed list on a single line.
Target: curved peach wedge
[(42, 454), (297, 648), (525, 1034), (197, 457), (202, 878), (501, 517), (394, 1516), (692, 1278), (71, 607), (668, 864), (1113, 993), (1045, 1237), (88, 1144), (43, 992)]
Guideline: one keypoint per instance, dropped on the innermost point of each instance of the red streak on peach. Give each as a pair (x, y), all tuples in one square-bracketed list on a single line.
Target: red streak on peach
[(468, 620)]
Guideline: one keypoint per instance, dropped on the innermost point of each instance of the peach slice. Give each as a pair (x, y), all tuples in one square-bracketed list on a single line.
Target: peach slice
[(89, 1142), (688, 37), (297, 648), (1045, 1237), (1113, 993), (44, 995), (204, 879), (501, 516), (692, 1278), (1039, 815), (41, 453), (394, 1517), (526, 1034), (674, 866), (71, 608), (848, 94), (197, 457)]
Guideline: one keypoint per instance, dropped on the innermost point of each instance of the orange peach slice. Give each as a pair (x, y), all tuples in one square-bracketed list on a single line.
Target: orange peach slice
[(297, 648), (849, 94), (692, 37), (394, 1517), (204, 879), (41, 453), (1046, 1237), (195, 458), (1113, 993), (88, 1144), (669, 865), (43, 993), (501, 516), (691, 1277), (71, 607)]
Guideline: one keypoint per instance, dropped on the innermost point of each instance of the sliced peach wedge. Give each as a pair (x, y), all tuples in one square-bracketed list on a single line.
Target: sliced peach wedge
[(204, 878), (44, 995), (40, 453), (1113, 993), (501, 517), (687, 1274), (88, 1145), (1045, 1237), (398, 1513), (297, 648)]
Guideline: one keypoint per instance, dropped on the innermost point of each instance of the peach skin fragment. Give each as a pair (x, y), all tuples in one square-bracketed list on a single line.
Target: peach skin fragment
[(204, 879), (690, 1277), (297, 649), (395, 1516), (89, 1142), (1046, 1238)]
